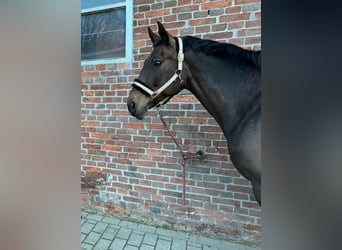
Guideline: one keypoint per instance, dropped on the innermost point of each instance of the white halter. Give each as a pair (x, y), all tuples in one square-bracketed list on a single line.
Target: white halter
[(155, 93)]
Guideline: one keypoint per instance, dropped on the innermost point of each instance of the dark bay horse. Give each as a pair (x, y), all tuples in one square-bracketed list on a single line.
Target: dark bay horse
[(225, 79)]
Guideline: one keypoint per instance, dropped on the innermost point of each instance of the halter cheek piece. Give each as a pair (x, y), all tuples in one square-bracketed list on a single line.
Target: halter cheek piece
[(155, 93)]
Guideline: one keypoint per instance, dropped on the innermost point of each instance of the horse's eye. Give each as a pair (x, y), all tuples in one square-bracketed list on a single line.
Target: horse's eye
[(157, 62)]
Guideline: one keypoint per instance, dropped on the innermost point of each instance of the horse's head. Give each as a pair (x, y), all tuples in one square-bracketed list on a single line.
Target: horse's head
[(160, 78)]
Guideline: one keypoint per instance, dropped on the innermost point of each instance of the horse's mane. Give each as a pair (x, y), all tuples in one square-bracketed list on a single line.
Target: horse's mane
[(210, 47)]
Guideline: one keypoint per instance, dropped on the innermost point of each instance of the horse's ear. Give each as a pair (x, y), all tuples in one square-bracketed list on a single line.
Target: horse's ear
[(154, 38), (164, 35)]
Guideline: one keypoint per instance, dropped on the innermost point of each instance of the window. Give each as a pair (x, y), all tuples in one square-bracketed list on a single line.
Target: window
[(106, 31)]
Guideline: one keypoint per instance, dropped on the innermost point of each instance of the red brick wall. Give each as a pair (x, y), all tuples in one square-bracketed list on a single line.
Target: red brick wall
[(132, 168)]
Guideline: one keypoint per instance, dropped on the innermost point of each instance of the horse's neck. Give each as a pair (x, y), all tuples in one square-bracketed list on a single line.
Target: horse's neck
[(214, 83)]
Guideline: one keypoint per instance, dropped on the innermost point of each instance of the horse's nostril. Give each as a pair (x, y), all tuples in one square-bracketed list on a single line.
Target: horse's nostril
[(131, 106)]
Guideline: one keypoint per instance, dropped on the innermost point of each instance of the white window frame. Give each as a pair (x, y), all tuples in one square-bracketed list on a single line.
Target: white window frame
[(128, 4)]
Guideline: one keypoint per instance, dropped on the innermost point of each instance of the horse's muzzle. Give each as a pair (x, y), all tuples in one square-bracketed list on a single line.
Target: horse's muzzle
[(132, 108)]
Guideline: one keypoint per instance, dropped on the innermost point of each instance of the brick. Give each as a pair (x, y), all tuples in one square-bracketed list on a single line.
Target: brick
[(110, 73), (157, 152), (216, 36), (102, 136), (170, 18), (199, 14), (91, 169), (253, 23), (111, 148), (90, 124), (252, 40), (235, 25), (155, 13), (219, 27), (249, 32), (247, 204), (216, 4), (99, 86), (134, 125), (234, 9), (234, 17), (197, 22), (184, 9), (90, 74), (91, 99), (88, 93), (253, 227), (203, 29), (100, 67), (238, 2)]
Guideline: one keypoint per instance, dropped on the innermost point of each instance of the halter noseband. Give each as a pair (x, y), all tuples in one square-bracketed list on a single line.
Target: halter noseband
[(155, 93)]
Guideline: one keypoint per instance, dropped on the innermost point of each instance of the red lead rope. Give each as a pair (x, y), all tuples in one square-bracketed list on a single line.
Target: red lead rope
[(185, 156)]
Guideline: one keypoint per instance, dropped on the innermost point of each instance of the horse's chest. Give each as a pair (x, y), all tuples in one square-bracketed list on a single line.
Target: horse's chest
[(245, 149)]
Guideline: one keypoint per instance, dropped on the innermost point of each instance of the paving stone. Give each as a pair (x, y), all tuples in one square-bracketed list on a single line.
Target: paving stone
[(173, 234), (129, 247), (95, 217), (129, 224), (252, 248), (194, 244), (84, 214), (85, 246), (86, 228), (150, 239), (110, 233), (92, 221), (166, 232), (106, 232), (209, 248), (111, 220), (118, 244), (163, 237), (103, 244), (163, 245), (195, 248), (135, 239), (137, 231), (230, 246), (208, 241), (147, 228), (83, 220), (92, 238), (146, 247), (124, 233), (178, 244), (100, 227), (114, 226), (83, 236)]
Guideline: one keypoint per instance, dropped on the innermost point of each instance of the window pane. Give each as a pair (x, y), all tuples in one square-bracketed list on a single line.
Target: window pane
[(86, 4), (103, 34)]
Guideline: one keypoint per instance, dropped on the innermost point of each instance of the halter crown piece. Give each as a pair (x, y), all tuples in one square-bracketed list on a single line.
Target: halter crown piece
[(155, 93)]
